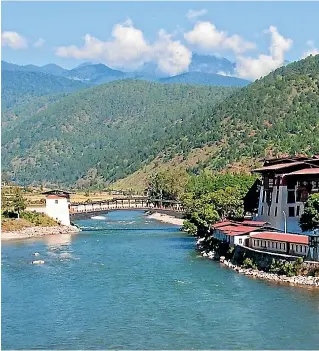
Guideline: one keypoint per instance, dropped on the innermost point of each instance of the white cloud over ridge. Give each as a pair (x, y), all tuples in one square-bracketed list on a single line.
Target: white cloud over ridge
[(312, 49), (193, 14), (13, 40), (129, 49), (254, 68), (206, 37)]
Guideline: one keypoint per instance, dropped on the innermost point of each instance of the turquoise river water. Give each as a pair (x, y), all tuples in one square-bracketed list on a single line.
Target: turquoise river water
[(128, 282)]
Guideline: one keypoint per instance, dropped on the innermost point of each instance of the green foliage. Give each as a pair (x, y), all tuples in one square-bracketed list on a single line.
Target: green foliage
[(38, 219), (309, 220), (20, 87), (249, 263), (284, 268), (206, 79), (114, 128), (119, 127), (12, 199), (168, 184), (189, 227), (208, 199)]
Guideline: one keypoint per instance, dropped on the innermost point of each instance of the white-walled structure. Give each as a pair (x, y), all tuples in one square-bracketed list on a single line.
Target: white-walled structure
[(286, 185), (57, 206), (290, 244)]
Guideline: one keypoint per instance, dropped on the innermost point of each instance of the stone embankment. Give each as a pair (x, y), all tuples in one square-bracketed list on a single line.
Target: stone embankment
[(37, 232), (255, 273)]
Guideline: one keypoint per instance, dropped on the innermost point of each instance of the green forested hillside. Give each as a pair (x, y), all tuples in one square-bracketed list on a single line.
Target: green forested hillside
[(108, 131), (20, 87), (112, 130), (206, 79)]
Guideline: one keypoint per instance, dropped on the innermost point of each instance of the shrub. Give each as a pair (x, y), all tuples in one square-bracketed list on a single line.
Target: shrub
[(249, 263)]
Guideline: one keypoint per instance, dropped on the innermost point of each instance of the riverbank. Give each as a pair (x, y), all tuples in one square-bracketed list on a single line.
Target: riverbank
[(256, 273), (37, 232), (166, 218)]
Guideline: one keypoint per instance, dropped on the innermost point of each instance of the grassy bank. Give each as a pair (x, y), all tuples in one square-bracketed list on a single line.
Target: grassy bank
[(26, 220)]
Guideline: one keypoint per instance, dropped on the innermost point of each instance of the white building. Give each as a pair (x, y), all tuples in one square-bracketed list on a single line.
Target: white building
[(286, 185), (235, 233), (289, 244), (58, 206)]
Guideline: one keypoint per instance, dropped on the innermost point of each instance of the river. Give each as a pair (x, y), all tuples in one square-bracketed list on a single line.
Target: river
[(128, 282)]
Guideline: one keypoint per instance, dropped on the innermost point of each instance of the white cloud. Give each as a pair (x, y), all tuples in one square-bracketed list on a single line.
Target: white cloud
[(192, 14), (312, 49), (40, 42), (13, 40), (254, 68), (172, 57), (128, 49), (205, 36)]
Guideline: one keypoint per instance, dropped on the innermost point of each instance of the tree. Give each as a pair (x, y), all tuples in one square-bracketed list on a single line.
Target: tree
[(18, 202), (12, 200), (309, 220)]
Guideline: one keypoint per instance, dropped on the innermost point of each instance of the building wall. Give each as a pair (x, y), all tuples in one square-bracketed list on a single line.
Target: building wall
[(58, 209), (279, 246), (240, 239), (279, 209)]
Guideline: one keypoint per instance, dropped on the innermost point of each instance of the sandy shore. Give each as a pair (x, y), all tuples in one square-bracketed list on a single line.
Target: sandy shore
[(37, 232), (166, 218)]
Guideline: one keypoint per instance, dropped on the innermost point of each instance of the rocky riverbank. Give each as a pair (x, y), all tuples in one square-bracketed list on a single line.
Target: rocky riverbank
[(37, 232), (297, 280)]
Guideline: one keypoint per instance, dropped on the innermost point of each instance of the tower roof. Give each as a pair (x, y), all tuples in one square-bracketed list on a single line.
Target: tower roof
[(57, 192)]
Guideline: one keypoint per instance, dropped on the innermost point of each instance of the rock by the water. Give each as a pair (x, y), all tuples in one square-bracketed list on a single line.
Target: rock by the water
[(36, 254), (38, 262)]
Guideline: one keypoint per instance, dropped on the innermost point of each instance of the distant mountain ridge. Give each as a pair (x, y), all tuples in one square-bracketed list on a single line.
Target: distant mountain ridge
[(104, 133), (20, 86), (200, 78), (97, 73)]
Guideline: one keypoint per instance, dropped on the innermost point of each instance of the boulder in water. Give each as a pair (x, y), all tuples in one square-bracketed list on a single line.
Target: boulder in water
[(38, 262)]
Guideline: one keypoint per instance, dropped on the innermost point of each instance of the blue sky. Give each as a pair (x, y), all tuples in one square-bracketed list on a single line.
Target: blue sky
[(244, 32)]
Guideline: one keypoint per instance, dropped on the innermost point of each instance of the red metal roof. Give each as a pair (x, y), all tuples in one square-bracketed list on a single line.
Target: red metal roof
[(234, 230), (277, 166), (254, 223), (304, 171), (275, 236), (221, 224)]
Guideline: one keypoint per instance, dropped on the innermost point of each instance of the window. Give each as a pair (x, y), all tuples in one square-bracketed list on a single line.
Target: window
[(262, 210), (276, 245), (298, 211), (277, 196), (276, 210), (240, 241), (56, 201), (272, 244), (254, 242), (305, 247), (269, 211), (291, 212), (291, 199), (300, 248), (280, 246), (292, 246), (268, 243)]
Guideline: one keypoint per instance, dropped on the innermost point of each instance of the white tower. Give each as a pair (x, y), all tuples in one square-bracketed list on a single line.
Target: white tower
[(57, 206)]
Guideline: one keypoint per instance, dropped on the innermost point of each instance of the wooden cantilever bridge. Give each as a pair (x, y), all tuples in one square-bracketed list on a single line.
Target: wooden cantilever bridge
[(127, 203)]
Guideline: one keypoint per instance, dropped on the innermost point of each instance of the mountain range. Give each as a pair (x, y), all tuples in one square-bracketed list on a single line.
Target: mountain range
[(213, 71), (127, 128)]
